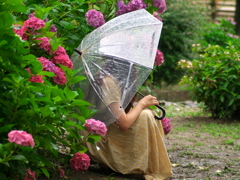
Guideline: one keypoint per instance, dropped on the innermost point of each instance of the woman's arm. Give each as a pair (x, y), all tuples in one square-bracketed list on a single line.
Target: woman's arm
[(126, 120)]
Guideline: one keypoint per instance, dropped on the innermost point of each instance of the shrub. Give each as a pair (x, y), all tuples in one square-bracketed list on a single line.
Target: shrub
[(214, 78), (38, 110), (182, 24), (218, 32)]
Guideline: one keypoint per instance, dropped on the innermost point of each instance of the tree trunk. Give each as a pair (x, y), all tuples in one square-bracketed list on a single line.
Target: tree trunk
[(237, 17), (214, 4)]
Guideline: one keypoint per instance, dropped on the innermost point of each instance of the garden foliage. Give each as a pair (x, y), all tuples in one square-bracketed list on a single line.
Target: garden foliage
[(218, 32), (214, 76), (182, 24), (39, 112), (214, 79)]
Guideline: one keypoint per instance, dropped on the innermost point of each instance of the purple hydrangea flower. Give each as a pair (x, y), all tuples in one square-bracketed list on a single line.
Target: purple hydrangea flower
[(53, 28), (48, 65), (161, 5), (136, 5), (95, 18), (31, 15), (122, 8)]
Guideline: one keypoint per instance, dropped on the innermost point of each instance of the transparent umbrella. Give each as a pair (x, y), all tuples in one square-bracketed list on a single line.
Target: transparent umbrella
[(117, 58)]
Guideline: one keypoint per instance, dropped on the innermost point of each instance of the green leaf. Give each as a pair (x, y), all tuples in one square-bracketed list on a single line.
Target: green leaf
[(93, 138), (46, 111), (2, 43), (79, 148), (222, 98), (6, 20), (67, 25), (77, 116), (36, 67), (52, 128), (74, 133), (6, 128), (80, 93), (57, 99), (18, 157), (46, 73), (45, 172), (79, 102), (231, 102), (76, 79), (69, 93), (68, 124)]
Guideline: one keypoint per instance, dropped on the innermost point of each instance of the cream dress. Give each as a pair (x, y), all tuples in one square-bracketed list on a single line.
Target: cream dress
[(139, 150)]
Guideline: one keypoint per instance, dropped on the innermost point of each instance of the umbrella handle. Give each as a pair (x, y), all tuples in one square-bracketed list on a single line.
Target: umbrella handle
[(159, 107), (163, 113)]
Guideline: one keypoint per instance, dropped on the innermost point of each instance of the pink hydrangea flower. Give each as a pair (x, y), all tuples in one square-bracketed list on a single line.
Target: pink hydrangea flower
[(95, 18), (63, 59), (21, 137), (122, 8), (161, 5), (134, 5), (232, 21), (60, 50), (166, 125), (34, 23), (30, 175), (60, 77), (155, 14), (96, 126), (159, 58), (80, 162), (35, 79), (21, 32), (48, 65), (45, 44), (61, 173)]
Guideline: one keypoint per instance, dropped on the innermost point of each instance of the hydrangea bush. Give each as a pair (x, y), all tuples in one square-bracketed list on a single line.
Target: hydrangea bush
[(214, 79), (38, 109)]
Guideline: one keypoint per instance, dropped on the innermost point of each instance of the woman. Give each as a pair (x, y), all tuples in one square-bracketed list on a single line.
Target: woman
[(134, 144)]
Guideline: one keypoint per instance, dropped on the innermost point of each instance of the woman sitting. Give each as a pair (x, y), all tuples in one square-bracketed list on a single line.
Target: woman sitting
[(135, 143)]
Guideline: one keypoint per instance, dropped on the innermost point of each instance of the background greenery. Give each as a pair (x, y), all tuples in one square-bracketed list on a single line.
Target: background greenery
[(183, 23)]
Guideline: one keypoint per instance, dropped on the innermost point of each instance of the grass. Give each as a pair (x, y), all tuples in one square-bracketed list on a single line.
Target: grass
[(181, 111), (225, 129), (230, 130)]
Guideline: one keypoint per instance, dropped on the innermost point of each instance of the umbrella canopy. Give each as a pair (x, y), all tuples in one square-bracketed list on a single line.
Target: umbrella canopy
[(117, 58)]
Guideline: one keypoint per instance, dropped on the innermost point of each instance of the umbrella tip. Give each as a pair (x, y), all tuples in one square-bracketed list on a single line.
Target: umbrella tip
[(79, 52)]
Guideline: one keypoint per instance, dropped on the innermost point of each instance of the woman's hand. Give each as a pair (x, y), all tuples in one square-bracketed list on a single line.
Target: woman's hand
[(126, 120), (149, 101)]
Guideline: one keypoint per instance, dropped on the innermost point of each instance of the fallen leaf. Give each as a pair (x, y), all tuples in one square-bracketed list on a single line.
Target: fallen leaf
[(203, 168), (175, 165)]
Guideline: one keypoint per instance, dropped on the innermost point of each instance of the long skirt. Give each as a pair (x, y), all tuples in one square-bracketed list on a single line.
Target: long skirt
[(139, 150)]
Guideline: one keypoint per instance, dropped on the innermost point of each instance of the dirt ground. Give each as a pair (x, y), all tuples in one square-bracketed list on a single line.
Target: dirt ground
[(194, 155)]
